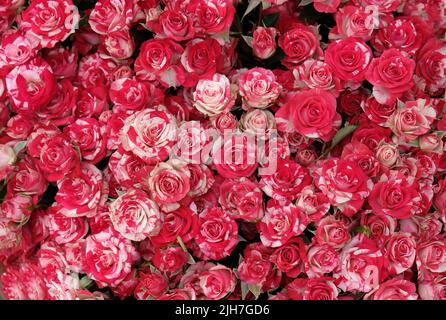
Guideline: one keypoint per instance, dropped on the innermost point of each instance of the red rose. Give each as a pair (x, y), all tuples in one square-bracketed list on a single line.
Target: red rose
[(151, 284), (391, 75), (333, 232), (200, 59), (290, 257), (312, 113), (393, 289), (218, 234), (182, 222), (170, 259), (281, 222), (87, 135), (109, 257), (286, 182), (212, 16), (394, 195), (49, 21), (299, 43), (349, 59)]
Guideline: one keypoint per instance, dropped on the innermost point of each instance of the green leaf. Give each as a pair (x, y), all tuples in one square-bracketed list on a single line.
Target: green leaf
[(248, 40), (255, 289), (19, 146), (245, 289), (365, 230), (341, 134), (181, 243), (190, 259), (305, 3), (86, 282), (270, 20), (251, 6)]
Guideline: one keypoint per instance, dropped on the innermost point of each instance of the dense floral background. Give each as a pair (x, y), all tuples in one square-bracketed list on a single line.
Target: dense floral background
[(223, 149)]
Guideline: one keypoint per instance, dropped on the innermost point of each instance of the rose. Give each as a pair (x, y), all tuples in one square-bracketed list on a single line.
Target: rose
[(191, 277), (51, 259), (377, 112), (170, 259), (83, 193), (413, 120), (96, 71), (349, 59), (214, 96), (312, 113), (431, 286), (224, 121), (314, 204), (30, 86), (393, 289), (182, 222), (344, 183), (178, 294), (87, 135), (110, 15), (217, 282), (57, 158), (315, 74), (201, 179), (381, 6), (218, 234), (422, 228), (49, 21), (258, 88), (235, 155), (321, 259), (119, 44), (63, 62), (176, 25), (254, 268), (431, 255), (157, 60), (65, 229), (242, 198), (151, 284), (393, 195), (391, 75), (28, 179), (400, 250), (299, 43), (124, 289), (401, 33), (16, 48), (169, 182), (371, 134), (320, 289), (363, 156), (200, 59), (59, 109), (281, 222), (430, 74), (431, 142), (264, 42), (90, 103), (23, 282), (350, 101), (129, 94), (258, 122), (9, 6), (286, 182), (212, 17), (333, 232), (135, 216), (353, 21), (289, 258), (361, 266), (75, 255), (126, 168), (387, 154), (380, 226), (149, 134), (109, 257), (329, 6)]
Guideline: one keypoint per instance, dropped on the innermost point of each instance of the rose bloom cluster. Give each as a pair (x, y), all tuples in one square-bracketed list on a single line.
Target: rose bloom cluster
[(120, 120)]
